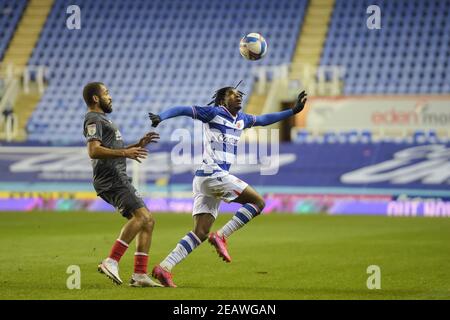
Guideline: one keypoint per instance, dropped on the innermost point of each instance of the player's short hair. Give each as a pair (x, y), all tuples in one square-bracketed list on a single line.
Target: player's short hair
[(90, 90)]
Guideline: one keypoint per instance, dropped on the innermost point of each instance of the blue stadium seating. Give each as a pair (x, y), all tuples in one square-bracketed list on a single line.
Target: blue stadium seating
[(10, 14), (152, 55), (408, 55)]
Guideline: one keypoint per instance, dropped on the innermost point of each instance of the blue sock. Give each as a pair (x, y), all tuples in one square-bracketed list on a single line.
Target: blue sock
[(188, 243), (247, 212)]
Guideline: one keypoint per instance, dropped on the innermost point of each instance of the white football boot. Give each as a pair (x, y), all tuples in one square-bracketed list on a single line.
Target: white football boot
[(142, 280), (110, 268)]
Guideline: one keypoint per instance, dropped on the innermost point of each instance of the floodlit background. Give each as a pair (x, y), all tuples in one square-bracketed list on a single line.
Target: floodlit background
[(374, 138)]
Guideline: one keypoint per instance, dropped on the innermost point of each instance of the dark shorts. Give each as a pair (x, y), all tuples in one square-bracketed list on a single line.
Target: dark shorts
[(124, 198)]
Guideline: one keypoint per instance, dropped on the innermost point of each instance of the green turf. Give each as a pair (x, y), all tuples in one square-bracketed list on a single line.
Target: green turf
[(274, 257)]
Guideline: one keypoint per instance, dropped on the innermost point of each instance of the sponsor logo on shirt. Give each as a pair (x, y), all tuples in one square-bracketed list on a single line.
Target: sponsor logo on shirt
[(118, 135), (240, 124), (228, 139)]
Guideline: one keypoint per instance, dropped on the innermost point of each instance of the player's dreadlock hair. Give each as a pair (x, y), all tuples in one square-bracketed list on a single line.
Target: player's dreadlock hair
[(219, 95)]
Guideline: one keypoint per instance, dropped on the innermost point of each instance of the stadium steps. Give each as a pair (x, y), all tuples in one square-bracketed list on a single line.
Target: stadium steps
[(312, 37), (255, 103), (23, 108), (27, 33)]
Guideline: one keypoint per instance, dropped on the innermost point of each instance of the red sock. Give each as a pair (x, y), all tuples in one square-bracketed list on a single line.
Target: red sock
[(140, 262), (118, 250)]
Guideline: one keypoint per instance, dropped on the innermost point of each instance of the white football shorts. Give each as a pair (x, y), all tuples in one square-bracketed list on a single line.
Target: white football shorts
[(210, 190)]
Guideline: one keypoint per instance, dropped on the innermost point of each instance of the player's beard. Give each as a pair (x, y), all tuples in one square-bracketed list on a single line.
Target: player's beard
[(105, 106), (235, 108)]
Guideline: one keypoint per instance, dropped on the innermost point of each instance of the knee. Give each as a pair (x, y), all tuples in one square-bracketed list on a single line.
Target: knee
[(146, 221), (149, 222)]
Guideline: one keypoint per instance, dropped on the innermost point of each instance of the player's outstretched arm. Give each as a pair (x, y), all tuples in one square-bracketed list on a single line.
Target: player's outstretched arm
[(267, 119), (170, 113), (97, 151), (150, 137)]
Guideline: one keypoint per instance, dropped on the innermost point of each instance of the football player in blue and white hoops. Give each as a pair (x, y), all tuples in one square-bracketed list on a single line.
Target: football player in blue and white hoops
[(223, 125)]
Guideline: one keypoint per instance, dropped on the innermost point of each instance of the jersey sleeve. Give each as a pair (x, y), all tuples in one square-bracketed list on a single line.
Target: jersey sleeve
[(269, 118), (204, 114), (93, 130), (249, 120)]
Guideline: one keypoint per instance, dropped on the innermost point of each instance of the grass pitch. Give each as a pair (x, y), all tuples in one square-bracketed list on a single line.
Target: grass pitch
[(274, 257)]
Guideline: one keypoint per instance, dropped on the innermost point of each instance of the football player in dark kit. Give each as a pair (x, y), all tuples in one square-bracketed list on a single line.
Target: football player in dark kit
[(108, 153)]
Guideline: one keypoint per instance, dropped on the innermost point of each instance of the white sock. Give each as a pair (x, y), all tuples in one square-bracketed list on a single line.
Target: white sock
[(188, 243), (247, 212)]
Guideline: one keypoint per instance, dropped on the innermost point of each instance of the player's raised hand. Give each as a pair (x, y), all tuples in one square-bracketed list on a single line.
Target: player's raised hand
[(150, 137), (136, 153), (155, 119), (300, 104)]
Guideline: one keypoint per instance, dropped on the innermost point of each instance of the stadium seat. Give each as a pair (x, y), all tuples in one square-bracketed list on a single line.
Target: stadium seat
[(402, 47), (10, 14), (153, 57)]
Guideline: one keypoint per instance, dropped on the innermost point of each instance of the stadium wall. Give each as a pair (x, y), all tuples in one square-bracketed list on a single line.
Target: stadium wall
[(383, 178)]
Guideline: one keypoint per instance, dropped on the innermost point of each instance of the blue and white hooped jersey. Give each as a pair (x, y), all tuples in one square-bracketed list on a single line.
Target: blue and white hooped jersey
[(221, 134)]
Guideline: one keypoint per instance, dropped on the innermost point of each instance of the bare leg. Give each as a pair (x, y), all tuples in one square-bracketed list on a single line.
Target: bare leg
[(138, 220), (249, 195), (141, 218), (144, 237), (202, 225), (140, 223), (143, 241)]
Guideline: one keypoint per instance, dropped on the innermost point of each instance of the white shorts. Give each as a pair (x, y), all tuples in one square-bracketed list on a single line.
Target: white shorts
[(210, 190)]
